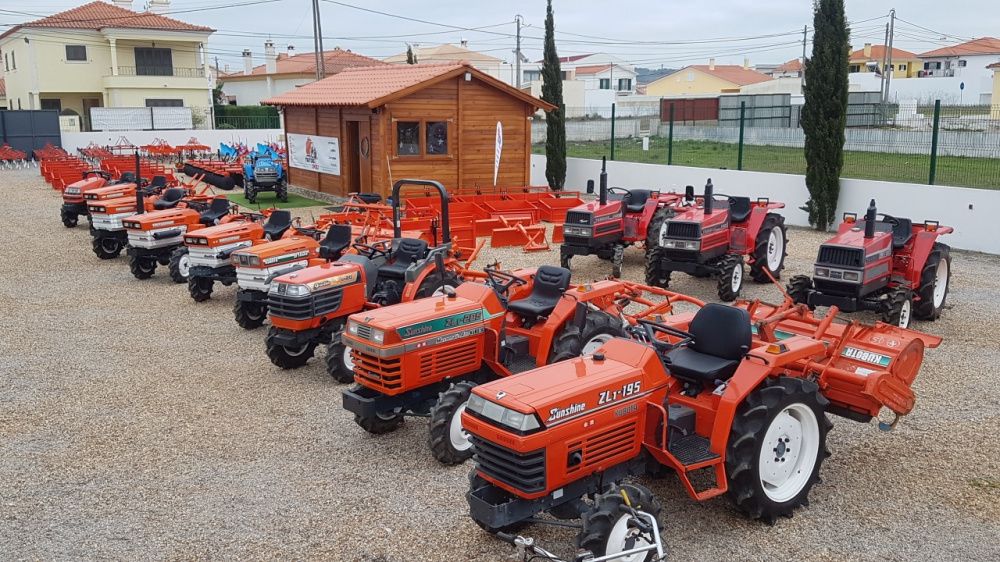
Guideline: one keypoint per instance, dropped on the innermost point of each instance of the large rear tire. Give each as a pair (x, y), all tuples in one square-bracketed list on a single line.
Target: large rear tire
[(141, 267), (449, 443), (935, 280), (339, 364), (776, 448), (180, 265), (432, 286), (605, 528), (770, 249), (287, 357), (599, 328), (250, 314)]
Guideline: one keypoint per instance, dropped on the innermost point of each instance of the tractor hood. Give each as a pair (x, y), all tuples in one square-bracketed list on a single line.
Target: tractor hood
[(79, 187), (718, 219), (327, 274), (111, 192), (593, 212), (165, 218), (473, 303), (112, 206), (271, 254), (225, 234), (572, 388), (850, 249)]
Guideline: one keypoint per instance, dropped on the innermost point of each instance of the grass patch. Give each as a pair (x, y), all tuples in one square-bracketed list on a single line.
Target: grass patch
[(269, 199), (912, 168)]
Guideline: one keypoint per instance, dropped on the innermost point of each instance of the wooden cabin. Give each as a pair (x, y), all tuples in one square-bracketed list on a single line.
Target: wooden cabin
[(363, 128)]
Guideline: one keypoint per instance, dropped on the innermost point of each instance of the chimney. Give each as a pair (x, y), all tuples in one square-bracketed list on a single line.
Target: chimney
[(465, 43), (126, 4), (746, 63), (270, 58), (868, 50), (247, 62), (291, 51), (158, 6), (711, 64)]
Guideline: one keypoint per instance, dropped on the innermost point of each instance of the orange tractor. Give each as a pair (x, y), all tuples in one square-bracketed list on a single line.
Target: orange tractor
[(309, 306), (733, 399), (423, 358), (108, 206), (74, 195)]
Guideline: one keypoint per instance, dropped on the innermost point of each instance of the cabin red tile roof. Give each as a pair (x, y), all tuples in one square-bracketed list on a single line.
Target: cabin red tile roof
[(101, 15), (336, 61), (374, 86), (878, 53), (981, 46), (732, 73), (794, 65)]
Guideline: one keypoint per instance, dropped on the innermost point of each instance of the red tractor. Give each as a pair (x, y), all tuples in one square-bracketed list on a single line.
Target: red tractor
[(884, 264), (705, 241), (618, 219), (733, 399)]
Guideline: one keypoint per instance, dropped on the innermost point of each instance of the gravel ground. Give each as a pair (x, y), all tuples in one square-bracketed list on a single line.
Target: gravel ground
[(135, 424)]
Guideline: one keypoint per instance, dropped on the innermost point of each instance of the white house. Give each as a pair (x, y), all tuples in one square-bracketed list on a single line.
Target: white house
[(447, 53), (967, 62), (599, 77)]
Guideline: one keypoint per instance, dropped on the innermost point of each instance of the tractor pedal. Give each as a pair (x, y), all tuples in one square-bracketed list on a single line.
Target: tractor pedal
[(692, 449)]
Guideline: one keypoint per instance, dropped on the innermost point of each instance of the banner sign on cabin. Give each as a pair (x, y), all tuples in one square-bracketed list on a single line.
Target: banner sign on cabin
[(314, 153)]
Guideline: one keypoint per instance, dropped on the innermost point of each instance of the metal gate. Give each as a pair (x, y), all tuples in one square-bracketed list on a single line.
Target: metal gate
[(30, 129)]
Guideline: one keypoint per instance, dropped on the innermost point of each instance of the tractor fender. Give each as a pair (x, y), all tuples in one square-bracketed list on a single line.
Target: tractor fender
[(748, 378)]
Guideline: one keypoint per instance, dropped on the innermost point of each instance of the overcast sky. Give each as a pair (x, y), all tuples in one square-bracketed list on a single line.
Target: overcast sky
[(653, 33)]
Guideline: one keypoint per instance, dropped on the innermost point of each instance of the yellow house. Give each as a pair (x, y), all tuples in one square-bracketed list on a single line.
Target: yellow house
[(995, 100), (705, 80), (871, 58), (105, 55)]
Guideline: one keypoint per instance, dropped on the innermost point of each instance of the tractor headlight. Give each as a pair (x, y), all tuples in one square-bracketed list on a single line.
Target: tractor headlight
[(289, 289), (582, 231), (504, 416), (822, 272), (852, 276), (682, 244), (352, 327), (377, 336)]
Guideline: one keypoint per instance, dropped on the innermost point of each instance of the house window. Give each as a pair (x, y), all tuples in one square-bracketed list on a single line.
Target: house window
[(153, 62), (624, 84), (408, 138), (164, 103), (932, 66), (76, 52), (854, 68), (437, 137), (532, 75), (13, 63), (961, 64), (52, 104), (6, 61), (902, 67), (605, 83)]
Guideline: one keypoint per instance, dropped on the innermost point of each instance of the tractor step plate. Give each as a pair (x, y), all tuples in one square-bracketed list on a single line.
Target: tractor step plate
[(521, 364), (692, 449)]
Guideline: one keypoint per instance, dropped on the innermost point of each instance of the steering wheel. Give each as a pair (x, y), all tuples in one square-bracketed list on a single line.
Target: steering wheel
[(618, 190), (502, 281), (311, 232), (650, 329), (889, 219), (372, 251)]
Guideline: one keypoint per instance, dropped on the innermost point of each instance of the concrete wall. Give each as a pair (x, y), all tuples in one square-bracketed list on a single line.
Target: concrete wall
[(72, 141), (926, 90), (970, 211)]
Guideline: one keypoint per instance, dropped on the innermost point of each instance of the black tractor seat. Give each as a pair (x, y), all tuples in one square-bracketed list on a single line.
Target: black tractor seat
[(721, 339), (159, 182), (277, 224), (636, 200), (216, 210), (739, 209), (127, 177), (169, 199), (408, 250), (901, 232), (337, 239), (551, 283)]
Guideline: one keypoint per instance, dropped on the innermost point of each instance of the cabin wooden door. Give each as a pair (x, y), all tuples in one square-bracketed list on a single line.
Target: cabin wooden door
[(358, 147)]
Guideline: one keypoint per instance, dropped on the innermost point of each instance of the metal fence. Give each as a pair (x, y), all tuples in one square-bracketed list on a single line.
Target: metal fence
[(946, 145)]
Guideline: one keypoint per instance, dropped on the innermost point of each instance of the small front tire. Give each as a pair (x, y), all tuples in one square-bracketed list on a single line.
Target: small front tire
[(606, 529), (180, 265), (897, 307), (250, 314), (141, 267), (200, 288), (730, 277), (287, 357), (799, 288), (447, 440), (339, 364)]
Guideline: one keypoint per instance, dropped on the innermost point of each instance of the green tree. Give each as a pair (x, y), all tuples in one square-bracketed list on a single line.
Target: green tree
[(824, 114), (555, 120), (411, 57)]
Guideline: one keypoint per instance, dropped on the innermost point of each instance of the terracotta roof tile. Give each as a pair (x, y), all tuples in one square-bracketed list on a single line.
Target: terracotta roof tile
[(794, 65), (732, 73), (305, 63), (592, 69), (100, 15), (878, 53), (442, 54), (981, 46)]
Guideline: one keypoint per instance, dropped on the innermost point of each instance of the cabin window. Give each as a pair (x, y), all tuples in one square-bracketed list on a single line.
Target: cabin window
[(408, 138), (76, 52), (437, 137)]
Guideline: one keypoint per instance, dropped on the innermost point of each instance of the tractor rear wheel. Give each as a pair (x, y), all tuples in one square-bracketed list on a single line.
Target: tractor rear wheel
[(141, 267), (69, 220), (180, 265), (897, 308), (287, 357), (449, 443), (107, 247), (431, 286), (606, 529), (935, 280), (730, 277), (339, 364), (250, 314), (599, 328), (654, 275), (200, 288), (769, 249), (798, 288), (776, 447)]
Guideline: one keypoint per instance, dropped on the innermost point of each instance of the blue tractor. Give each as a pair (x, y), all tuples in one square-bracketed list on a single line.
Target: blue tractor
[(262, 171)]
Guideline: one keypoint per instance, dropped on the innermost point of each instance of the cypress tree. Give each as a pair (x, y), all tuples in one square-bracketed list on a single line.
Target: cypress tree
[(411, 58), (555, 122), (824, 114)]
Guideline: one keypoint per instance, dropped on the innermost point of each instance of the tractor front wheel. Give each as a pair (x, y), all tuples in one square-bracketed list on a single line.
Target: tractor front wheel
[(617, 259), (250, 314), (450, 443), (282, 192), (798, 288), (654, 275), (249, 191), (607, 530), (897, 308), (769, 249), (776, 447), (107, 247), (379, 423), (200, 288), (141, 267), (69, 220), (654, 232), (935, 279), (564, 259), (730, 277), (287, 357), (179, 265), (339, 364)]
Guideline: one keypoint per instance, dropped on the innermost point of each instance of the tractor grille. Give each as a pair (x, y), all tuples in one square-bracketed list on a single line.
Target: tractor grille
[(679, 255), (576, 217), (270, 175), (834, 255), (604, 447), (364, 332), (384, 374), (524, 471), (453, 360), (688, 230), (303, 308), (837, 288)]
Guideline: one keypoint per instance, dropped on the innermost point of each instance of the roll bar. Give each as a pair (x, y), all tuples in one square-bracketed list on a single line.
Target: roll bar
[(397, 230)]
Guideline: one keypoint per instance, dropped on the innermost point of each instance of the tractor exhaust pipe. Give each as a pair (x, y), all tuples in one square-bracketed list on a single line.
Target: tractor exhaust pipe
[(140, 206), (870, 220), (709, 200), (603, 193), (689, 193)]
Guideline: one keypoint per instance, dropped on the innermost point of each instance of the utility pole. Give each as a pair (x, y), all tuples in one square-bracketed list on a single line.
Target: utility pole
[(321, 67), (316, 55), (885, 54), (802, 71), (888, 69), (517, 51)]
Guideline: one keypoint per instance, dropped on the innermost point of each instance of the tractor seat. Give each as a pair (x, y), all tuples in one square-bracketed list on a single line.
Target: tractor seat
[(337, 239), (739, 209), (902, 231), (370, 198), (216, 210), (721, 339), (550, 284), (277, 224), (159, 182), (636, 200), (407, 251), (169, 199), (127, 177)]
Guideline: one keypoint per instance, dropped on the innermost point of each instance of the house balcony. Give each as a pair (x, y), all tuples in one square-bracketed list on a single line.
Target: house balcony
[(156, 77)]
